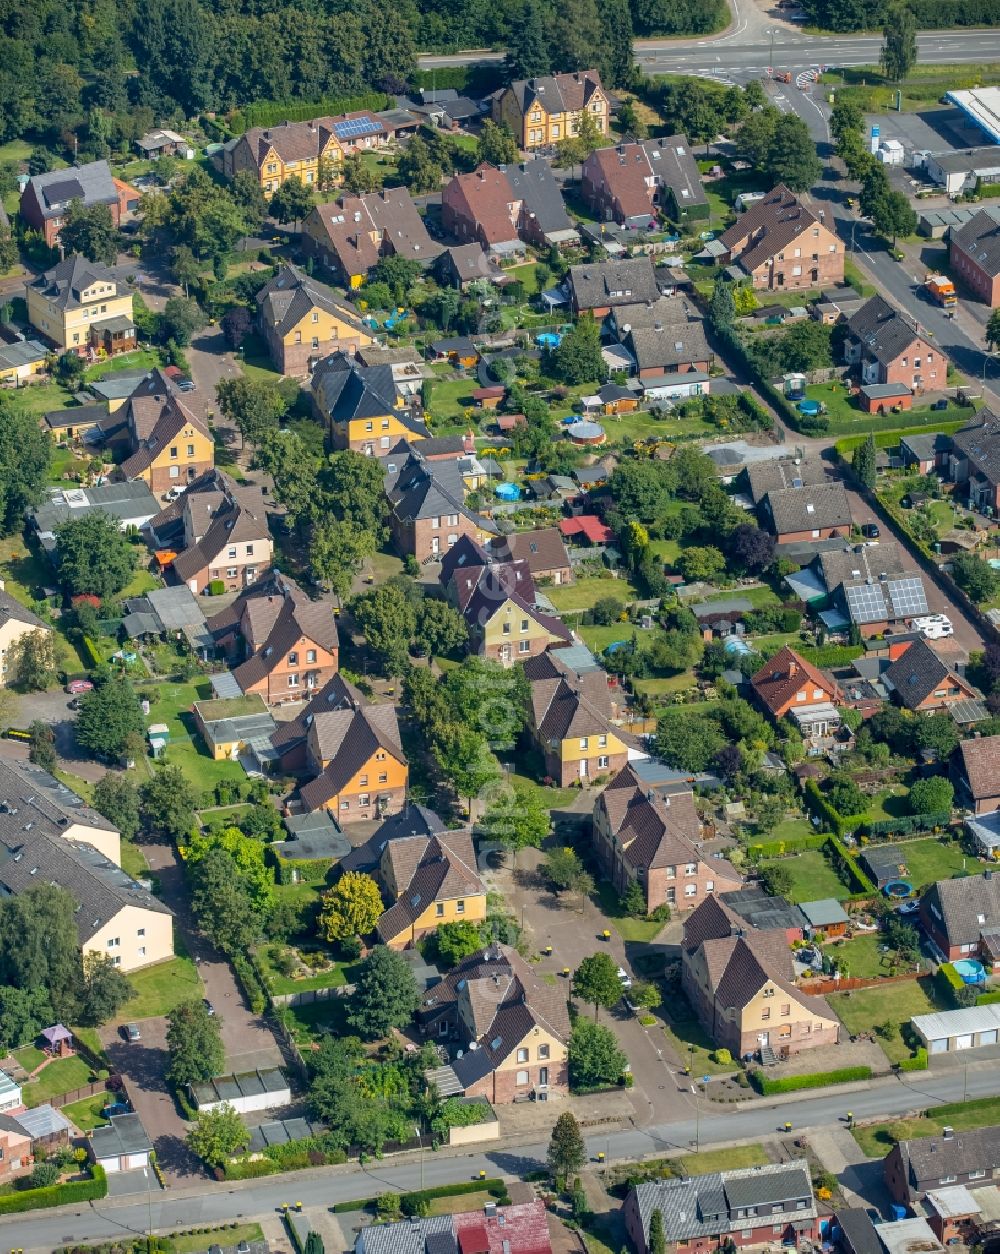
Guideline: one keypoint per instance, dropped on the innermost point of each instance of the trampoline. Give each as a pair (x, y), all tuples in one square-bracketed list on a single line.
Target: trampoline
[(810, 408), (898, 889), (548, 339), (971, 971)]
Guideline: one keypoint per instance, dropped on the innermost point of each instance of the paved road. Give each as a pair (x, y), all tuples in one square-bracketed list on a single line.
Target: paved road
[(214, 1203)]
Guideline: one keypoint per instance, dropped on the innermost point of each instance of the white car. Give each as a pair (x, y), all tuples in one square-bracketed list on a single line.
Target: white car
[(934, 626), (909, 907), (172, 494), (624, 977)]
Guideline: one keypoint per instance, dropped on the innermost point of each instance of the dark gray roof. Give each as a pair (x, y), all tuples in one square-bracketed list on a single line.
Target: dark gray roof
[(30, 795), (92, 183), (783, 472), (612, 283), (979, 239), (534, 182), (124, 1134), (761, 910), (343, 391), (672, 160), (883, 332), (915, 675), (11, 608), (406, 1238), (979, 444), (129, 502), (676, 345), (312, 836), (965, 907), (810, 508), (925, 444), (64, 282), (857, 1232), (412, 820), (426, 489), (76, 415), (930, 1158), (281, 1132)]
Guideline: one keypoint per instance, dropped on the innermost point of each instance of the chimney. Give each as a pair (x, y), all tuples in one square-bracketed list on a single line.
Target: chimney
[(947, 1132)]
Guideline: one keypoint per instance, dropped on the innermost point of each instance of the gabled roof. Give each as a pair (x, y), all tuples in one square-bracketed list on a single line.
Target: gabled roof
[(979, 238), (631, 170), (155, 416), (486, 200), (980, 760), (612, 283), (426, 869), (543, 550), (11, 610), (345, 391), (811, 508), (930, 1158), (780, 678), (557, 93), (93, 184), (239, 517), (360, 228), (471, 261), (783, 472), (534, 184), (979, 444), (917, 673), (292, 141), (291, 295), (676, 345), (768, 226), (855, 562), (426, 489), (566, 704), (882, 331), (64, 283)]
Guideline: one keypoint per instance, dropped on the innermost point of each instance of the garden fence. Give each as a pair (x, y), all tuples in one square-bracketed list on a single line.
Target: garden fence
[(822, 987)]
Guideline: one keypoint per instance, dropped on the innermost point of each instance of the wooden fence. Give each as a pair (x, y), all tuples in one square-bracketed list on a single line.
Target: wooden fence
[(849, 983), (86, 1090)]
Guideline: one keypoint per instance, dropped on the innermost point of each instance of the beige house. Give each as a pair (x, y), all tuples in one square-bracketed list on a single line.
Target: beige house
[(542, 111), (34, 796), (72, 302), (430, 880), (15, 622)]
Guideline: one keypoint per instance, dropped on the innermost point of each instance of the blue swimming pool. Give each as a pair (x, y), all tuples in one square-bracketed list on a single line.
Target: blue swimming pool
[(548, 339), (971, 971), (737, 646)]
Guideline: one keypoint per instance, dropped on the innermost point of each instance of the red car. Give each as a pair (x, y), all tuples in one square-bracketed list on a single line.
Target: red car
[(77, 686)]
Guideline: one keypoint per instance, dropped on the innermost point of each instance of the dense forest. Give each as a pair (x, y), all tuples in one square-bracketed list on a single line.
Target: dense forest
[(850, 15), (91, 71)]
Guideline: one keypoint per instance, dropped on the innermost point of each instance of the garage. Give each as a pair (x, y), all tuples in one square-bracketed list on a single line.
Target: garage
[(964, 1041), (950, 1031)]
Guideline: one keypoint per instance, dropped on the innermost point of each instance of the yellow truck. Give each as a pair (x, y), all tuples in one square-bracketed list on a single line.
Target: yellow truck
[(941, 291)]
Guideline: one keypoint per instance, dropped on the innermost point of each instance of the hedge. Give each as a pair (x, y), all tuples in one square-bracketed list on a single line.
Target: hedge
[(813, 1080), (917, 1063), (90, 651), (496, 1188), (988, 999), (252, 987), (915, 823), (948, 979), (889, 439), (273, 112), (91, 1190)]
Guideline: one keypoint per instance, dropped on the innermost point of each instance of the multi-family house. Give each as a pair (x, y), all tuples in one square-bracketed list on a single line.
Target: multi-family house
[(361, 406), (975, 770), (571, 721), (167, 444), (746, 1206), (632, 183), (428, 515), (789, 686), (542, 111), (645, 838), (302, 321), (482, 208), (79, 305), (740, 980), (281, 644), (973, 462), (814, 512), (218, 531), (348, 750), (429, 880), (781, 244), (920, 681), (543, 219), (45, 802), (888, 348), (962, 918), (543, 550), (46, 197), (16, 622), (912, 1168), (506, 1029), (350, 235), (974, 253), (310, 151), (601, 286)]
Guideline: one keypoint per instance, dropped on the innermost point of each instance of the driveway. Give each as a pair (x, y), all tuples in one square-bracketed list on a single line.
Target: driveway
[(52, 707)]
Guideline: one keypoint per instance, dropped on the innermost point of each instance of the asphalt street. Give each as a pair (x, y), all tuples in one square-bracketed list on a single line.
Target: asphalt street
[(209, 1203)]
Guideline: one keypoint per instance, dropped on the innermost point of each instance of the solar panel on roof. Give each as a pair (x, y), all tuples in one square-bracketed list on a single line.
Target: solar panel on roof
[(907, 597), (865, 603), (353, 127)]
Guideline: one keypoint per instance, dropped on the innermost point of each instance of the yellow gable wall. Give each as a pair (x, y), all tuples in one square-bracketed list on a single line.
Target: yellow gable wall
[(204, 450), (772, 998), (388, 424), (570, 750), (531, 1042), (494, 634), (108, 843), (326, 326), (158, 940), (474, 910)]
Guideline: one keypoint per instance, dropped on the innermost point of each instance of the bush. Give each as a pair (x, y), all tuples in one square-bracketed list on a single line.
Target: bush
[(252, 988), (44, 1174), (495, 1188), (813, 1080), (91, 1190), (917, 1063), (721, 1056)]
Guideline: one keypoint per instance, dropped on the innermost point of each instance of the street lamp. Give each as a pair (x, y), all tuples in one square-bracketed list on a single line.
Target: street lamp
[(770, 60)]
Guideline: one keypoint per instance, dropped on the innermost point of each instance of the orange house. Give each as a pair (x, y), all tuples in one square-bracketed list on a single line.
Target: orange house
[(788, 683)]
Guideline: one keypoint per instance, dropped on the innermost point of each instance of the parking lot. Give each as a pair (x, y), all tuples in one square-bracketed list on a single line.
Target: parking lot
[(938, 130)]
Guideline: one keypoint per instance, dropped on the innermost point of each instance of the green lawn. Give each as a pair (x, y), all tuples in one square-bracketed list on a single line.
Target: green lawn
[(597, 639), (186, 748), (861, 1009), (528, 275), (930, 860), (133, 860), (862, 957), (683, 681), (628, 428), (845, 414), (551, 798), (812, 876), (142, 581), (159, 989), (195, 1243), (792, 830), (760, 598), (690, 1042), (92, 1040), (225, 816), (29, 1057), (336, 977), (40, 398), (141, 359), (86, 1114), (878, 1138), (584, 594), (630, 929), (59, 1077), (723, 1159)]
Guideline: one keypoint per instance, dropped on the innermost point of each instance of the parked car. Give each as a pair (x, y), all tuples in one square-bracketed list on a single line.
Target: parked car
[(870, 531), (624, 977), (185, 385), (909, 907), (208, 1006), (132, 1033), (76, 686)]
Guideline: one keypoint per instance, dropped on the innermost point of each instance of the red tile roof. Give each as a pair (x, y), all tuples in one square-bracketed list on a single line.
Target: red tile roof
[(589, 526), (778, 680), (520, 1229)]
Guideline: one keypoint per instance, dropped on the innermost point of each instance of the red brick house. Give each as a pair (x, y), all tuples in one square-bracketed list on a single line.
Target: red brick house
[(914, 1168), (481, 208), (781, 244), (641, 837), (888, 349), (814, 512), (923, 683), (975, 770), (428, 511), (973, 462), (975, 256), (46, 197), (542, 550)]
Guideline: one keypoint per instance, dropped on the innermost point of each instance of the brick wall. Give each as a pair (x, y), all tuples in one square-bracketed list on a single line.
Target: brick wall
[(501, 1087)]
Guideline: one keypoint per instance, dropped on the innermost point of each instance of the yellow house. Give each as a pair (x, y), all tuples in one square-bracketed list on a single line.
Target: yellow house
[(19, 362), (170, 445), (15, 623), (362, 407), (542, 111), (507, 1030), (136, 936), (69, 303), (302, 321), (309, 151), (353, 749), (431, 880), (515, 630), (228, 724)]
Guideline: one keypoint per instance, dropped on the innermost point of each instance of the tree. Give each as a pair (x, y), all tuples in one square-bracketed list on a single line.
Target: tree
[(618, 61), (596, 981), (109, 717), (575, 149), (701, 563), (456, 941), (440, 629), (291, 202), (359, 179), (934, 795), (874, 189), (496, 145), (43, 746), (194, 1042), (116, 797), (567, 1152), (756, 136), (69, 370), (399, 274), (899, 51), (25, 453), (255, 407), (516, 820), (594, 1056), (43, 1174), (353, 490), (975, 577), (489, 697), (417, 167), (844, 794), (168, 803), (105, 990), (563, 868), (385, 994), (632, 125), (752, 547), (31, 660), (937, 733), (529, 52), (388, 621), (251, 869), (90, 230), (337, 552), (180, 319), (657, 1240), (863, 462), (224, 905), (465, 759), (40, 946), (792, 156), (777, 879), (351, 908), (217, 1134), (94, 556), (24, 1012), (689, 743), (577, 359), (894, 216), (248, 194)]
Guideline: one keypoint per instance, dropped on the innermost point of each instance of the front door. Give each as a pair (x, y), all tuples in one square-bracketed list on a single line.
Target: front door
[(583, 768), (435, 544), (763, 1038), (543, 1075), (505, 653)]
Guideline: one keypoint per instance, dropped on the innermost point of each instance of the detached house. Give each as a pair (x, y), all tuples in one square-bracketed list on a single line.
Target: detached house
[(284, 646), (542, 111), (976, 774), (46, 197), (350, 750), (788, 685), (630, 184), (643, 838), (362, 407), (16, 621), (923, 683), (428, 511), (507, 1030), (302, 321), (816, 512), (169, 445), (888, 349), (973, 461), (781, 244), (873, 587), (79, 305), (748, 1206), (350, 235), (599, 287), (290, 150), (962, 918), (430, 880), (974, 253)]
